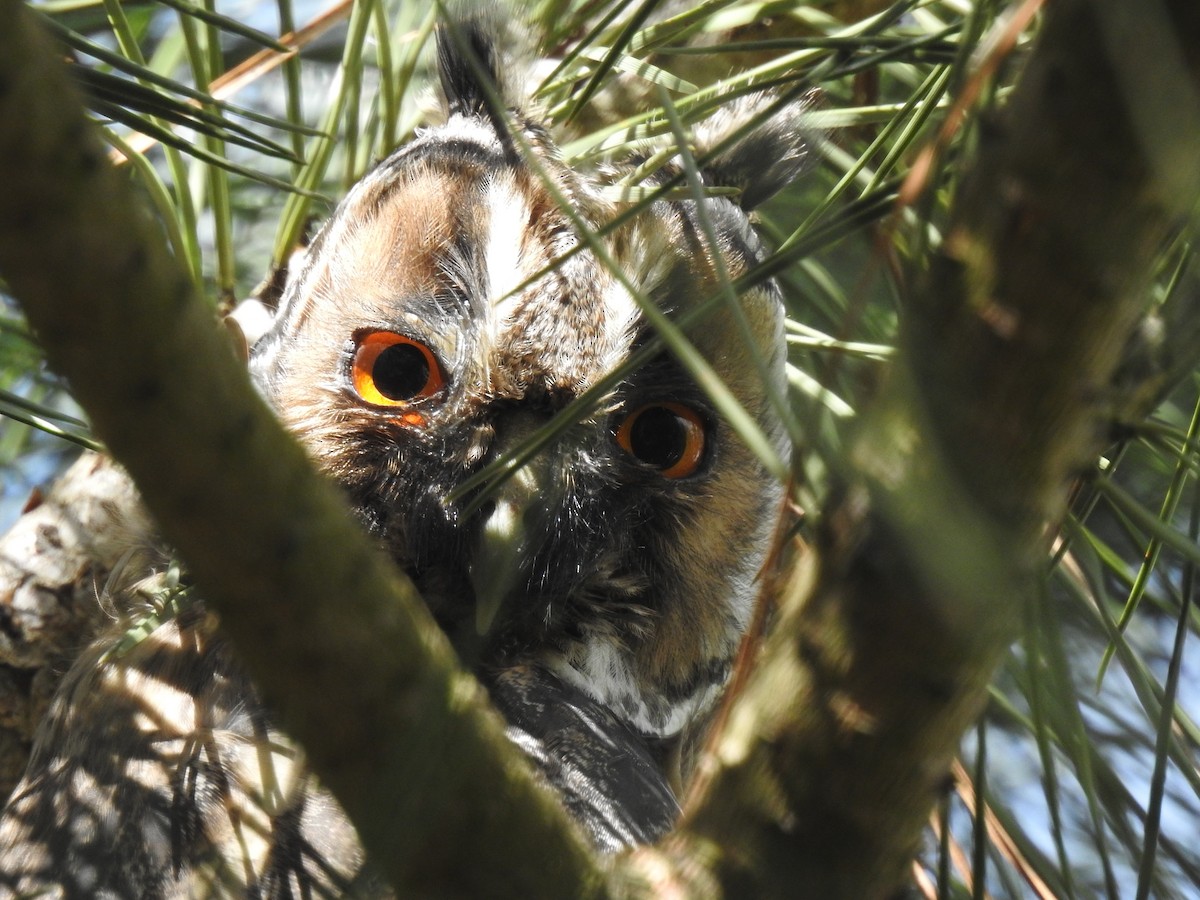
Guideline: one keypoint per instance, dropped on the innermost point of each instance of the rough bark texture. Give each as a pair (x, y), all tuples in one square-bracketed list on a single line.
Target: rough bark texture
[(360, 674), (53, 566), (838, 749)]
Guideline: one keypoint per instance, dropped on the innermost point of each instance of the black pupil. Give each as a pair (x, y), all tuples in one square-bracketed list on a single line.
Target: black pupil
[(658, 437), (401, 372)]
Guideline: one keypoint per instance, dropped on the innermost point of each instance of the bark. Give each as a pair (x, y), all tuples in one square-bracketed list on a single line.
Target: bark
[(333, 636), (841, 744), (53, 566)]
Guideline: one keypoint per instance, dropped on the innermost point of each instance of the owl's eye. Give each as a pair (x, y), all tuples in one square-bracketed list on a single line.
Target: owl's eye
[(668, 436), (392, 370)]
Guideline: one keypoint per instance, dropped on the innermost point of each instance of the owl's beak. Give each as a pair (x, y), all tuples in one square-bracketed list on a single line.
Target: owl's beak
[(503, 544), (514, 527)]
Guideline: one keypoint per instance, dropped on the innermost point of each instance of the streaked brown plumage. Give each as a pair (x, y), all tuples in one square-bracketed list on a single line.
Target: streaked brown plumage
[(599, 592)]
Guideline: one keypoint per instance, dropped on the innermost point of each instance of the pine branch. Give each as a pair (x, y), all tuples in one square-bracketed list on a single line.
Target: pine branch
[(842, 742)]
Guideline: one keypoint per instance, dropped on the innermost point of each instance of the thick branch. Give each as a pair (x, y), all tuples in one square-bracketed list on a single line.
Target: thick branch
[(52, 563), (841, 743), (335, 639)]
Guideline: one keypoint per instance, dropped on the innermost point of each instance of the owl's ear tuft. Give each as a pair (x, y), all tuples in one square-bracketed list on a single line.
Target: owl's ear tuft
[(470, 64), (776, 150)]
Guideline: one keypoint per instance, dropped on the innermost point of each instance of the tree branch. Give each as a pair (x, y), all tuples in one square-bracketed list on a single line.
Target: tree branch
[(52, 562), (336, 640), (823, 780)]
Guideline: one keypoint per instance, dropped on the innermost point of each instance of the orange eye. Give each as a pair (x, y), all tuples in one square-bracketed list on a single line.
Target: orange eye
[(392, 370), (668, 436)]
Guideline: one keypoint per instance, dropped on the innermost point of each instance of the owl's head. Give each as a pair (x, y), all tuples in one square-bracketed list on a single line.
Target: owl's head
[(452, 307)]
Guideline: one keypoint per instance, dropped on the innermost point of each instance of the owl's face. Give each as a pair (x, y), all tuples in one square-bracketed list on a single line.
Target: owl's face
[(423, 338)]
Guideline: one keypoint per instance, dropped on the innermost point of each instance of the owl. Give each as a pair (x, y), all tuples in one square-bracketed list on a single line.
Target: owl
[(471, 295)]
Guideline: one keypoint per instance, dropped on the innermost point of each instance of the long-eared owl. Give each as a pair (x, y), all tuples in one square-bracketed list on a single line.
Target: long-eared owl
[(468, 290)]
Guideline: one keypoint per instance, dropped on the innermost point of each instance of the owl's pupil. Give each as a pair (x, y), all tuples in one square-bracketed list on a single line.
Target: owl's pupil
[(658, 437), (400, 372)]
